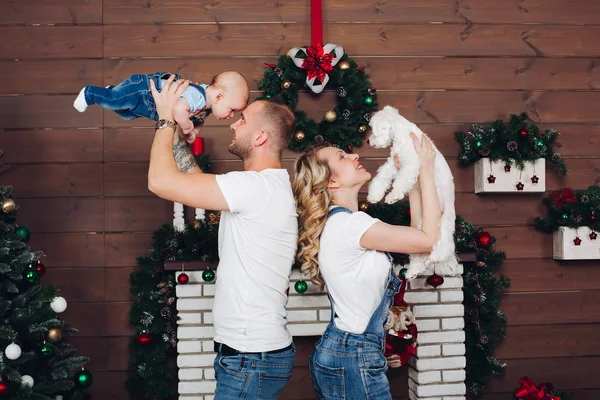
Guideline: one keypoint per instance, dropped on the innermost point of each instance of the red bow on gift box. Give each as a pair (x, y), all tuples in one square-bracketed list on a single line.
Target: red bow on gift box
[(528, 391)]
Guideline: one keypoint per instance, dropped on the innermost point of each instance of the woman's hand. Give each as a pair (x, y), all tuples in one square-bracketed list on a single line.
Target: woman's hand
[(166, 99), (425, 152)]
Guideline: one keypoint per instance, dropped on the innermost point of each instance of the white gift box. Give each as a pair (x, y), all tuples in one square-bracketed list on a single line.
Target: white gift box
[(491, 177), (576, 244)]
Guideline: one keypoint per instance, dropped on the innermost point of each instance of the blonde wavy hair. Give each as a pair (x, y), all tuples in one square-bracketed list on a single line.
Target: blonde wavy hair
[(311, 177)]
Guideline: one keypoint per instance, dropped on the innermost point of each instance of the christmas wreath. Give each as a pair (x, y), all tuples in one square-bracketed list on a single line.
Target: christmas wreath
[(516, 142), (313, 68), (574, 209)]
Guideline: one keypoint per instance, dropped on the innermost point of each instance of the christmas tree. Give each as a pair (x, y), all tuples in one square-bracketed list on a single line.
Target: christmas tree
[(36, 362)]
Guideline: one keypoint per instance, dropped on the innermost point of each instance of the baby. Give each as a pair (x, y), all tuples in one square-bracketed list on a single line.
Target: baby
[(132, 98)]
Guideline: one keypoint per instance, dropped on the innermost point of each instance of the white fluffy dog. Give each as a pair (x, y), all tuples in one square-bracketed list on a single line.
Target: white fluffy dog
[(389, 128)]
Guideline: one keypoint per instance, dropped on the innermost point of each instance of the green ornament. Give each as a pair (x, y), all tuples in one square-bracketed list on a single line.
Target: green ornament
[(540, 142), (478, 143), (23, 233), (208, 276), (46, 350), (32, 276), (403, 272), (565, 216), (84, 379), (301, 286), (268, 96), (369, 100)]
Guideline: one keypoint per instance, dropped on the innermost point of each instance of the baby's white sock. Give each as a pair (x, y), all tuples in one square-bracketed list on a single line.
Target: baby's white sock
[(80, 104)]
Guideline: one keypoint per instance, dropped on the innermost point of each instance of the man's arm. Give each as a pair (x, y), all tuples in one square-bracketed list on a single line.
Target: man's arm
[(183, 155), (164, 177)]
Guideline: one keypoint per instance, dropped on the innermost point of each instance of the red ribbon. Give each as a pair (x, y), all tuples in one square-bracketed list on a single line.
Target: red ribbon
[(198, 146), (317, 63), (529, 391), (316, 22)]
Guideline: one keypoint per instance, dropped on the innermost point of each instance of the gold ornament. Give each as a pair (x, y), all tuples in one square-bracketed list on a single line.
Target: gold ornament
[(286, 84), (480, 264), (344, 65), (299, 136), (330, 116), (54, 335), (8, 205), (362, 128), (214, 218), (363, 206), (196, 224)]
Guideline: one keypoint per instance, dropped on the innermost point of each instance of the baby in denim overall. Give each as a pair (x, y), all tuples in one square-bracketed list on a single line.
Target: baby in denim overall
[(132, 98)]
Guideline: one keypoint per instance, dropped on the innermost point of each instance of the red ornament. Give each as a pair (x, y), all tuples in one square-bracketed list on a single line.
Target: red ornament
[(198, 146), (40, 268), (523, 132), (270, 65), (593, 236), (507, 168), (520, 186), (350, 149), (435, 280), (183, 278), (491, 179), (408, 212), (535, 179), (144, 338), (593, 217), (563, 196), (317, 64), (483, 239), (577, 241), (3, 388)]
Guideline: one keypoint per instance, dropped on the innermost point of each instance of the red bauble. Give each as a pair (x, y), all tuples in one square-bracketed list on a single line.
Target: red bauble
[(577, 241), (3, 388), (483, 239), (507, 168), (435, 280), (144, 338), (183, 278), (40, 268), (593, 217), (523, 132)]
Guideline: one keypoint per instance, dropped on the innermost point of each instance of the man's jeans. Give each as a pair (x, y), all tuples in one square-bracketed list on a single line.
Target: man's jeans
[(253, 376)]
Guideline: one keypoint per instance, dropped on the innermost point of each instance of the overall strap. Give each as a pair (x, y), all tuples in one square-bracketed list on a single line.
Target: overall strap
[(331, 212)]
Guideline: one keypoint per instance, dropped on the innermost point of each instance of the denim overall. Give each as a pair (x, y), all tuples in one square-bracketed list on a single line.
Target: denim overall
[(132, 97), (351, 366)]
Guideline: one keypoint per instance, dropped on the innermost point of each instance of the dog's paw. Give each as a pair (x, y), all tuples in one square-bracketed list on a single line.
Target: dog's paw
[(411, 274), (375, 194), (392, 198)]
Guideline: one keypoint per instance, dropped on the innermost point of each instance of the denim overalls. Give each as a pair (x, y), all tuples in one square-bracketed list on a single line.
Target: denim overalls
[(132, 97), (351, 366)]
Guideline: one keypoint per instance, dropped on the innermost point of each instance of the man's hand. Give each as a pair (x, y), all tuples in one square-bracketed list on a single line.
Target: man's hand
[(166, 99)]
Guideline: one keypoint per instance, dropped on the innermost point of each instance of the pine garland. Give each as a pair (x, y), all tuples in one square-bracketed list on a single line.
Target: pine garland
[(516, 142), (356, 100), (570, 208), (26, 317), (485, 323), (152, 371)]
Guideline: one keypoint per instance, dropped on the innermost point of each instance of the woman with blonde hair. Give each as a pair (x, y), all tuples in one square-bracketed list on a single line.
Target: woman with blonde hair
[(345, 250)]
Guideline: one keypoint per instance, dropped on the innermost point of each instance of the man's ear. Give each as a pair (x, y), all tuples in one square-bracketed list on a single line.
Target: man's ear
[(219, 97), (261, 138)]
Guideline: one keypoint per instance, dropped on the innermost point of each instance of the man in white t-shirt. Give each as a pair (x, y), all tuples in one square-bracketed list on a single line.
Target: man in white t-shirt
[(257, 240)]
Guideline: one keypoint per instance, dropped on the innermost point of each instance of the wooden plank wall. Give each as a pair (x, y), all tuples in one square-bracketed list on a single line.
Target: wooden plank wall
[(80, 179)]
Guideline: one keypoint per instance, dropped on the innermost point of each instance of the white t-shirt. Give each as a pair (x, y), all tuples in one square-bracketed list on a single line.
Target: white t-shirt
[(355, 276), (257, 245)]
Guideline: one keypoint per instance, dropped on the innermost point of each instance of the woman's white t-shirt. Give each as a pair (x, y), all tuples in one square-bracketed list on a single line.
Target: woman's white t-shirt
[(355, 277)]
